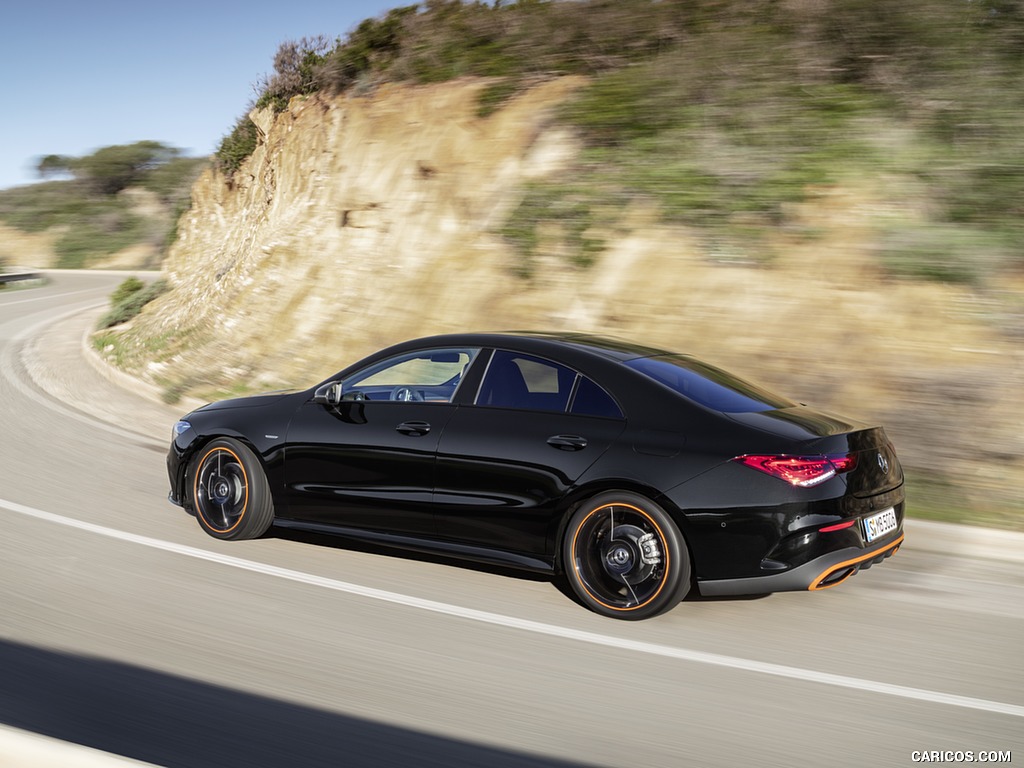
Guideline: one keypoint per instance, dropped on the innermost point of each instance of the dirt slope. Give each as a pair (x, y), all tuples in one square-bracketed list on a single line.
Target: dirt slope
[(361, 221)]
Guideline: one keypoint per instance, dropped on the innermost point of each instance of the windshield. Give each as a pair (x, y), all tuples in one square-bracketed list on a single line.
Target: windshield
[(706, 385)]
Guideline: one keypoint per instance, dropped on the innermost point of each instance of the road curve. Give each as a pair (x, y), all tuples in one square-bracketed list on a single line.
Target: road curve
[(124, 628)]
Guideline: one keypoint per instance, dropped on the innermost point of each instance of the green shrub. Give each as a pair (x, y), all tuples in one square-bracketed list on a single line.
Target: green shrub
[(128, 288), (128, 300), (236, 147)]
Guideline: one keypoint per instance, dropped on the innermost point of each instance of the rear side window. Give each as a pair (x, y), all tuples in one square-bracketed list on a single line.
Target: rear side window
[(708, 386), (591, 400), (516, 380)]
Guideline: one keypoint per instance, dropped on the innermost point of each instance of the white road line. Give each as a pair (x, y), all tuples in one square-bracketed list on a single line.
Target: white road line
[(8, 370), (47, 296), (682, 654)]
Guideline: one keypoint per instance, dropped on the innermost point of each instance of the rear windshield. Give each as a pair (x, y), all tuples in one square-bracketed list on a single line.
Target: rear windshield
[(706, 385)]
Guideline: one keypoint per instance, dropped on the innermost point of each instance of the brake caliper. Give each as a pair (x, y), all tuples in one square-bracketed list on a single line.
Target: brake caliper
[(649, 552)]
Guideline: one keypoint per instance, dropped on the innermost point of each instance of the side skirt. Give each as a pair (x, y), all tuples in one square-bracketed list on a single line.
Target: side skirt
[(427, 546)]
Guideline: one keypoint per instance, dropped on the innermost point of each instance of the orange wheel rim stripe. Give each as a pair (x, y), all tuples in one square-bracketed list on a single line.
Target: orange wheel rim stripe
[(664, 547), (195, 490)]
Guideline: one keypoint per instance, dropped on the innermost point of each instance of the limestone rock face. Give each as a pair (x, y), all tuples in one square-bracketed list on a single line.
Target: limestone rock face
[(356, 222), (362, 221)]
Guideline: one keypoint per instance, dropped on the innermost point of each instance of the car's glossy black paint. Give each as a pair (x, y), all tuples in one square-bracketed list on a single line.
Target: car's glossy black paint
[(499, 484)]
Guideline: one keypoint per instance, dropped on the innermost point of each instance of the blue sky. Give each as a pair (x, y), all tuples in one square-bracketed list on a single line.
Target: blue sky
[(81, 75)]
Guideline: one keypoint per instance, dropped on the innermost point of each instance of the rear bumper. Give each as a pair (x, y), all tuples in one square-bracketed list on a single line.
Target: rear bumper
[(828, 570)]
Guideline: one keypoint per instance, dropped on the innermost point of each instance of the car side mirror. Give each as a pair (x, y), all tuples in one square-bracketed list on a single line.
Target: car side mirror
[(328, 394)]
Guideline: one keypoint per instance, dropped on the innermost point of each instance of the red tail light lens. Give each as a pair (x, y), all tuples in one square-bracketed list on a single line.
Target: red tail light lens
[(803, 471), (843, 463)]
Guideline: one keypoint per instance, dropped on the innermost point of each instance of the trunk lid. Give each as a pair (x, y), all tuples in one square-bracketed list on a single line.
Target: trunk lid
[(876, 467)]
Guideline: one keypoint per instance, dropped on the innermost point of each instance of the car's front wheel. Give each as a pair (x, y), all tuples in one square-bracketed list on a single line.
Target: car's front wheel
[(230, 494), (624, 557)]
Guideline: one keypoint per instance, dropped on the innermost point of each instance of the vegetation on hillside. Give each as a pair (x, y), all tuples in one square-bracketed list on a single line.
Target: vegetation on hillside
[(129, 298), (723, 112), (91, 210)]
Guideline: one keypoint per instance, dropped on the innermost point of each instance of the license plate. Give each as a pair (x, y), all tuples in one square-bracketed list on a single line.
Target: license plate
[(878, 525)]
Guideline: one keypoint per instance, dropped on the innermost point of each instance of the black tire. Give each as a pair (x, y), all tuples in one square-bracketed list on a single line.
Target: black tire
[(624, 557), (230, 494)]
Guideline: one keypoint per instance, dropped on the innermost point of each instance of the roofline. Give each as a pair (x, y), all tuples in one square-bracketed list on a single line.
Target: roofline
[(605, 346)]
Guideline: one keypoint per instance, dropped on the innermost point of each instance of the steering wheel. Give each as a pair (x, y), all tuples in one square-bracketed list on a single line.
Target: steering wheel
[(406, 394)]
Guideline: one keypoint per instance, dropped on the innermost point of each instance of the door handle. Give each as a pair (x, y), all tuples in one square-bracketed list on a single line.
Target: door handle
[(568, 442), (415, 428)]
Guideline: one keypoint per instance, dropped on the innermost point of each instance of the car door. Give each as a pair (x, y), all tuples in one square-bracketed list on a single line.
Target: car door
[(366, 458), (505, 462)]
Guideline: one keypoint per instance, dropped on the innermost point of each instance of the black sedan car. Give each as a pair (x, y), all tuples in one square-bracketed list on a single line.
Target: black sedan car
[(637, 473)]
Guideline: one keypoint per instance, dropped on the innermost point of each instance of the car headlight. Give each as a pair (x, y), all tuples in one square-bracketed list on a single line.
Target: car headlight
[(180, 427)]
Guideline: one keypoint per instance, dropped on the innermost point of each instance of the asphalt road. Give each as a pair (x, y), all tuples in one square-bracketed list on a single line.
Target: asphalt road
[(123, 627)]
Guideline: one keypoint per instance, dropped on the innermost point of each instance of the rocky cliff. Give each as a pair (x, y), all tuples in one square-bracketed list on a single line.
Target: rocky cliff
[(356, 222), (362, 221)]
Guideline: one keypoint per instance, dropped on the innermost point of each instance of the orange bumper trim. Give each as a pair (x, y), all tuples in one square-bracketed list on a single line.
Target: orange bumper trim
[(817, 584)]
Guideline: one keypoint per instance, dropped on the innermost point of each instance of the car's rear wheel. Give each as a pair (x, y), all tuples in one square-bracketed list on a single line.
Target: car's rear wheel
[(230, 493), (624, 557)]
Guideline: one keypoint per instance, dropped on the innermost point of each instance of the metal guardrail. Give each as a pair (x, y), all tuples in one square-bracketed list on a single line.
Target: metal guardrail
[(13, 277)]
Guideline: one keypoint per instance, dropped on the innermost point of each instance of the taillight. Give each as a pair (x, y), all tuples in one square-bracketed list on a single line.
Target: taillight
[(843, 463), (803, 471)]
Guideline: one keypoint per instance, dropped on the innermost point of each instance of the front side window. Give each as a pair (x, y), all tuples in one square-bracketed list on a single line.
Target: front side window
[(431, 375)]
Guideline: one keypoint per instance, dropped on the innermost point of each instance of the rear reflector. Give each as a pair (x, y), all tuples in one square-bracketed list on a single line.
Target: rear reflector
[(802, 471), (837, 527)]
